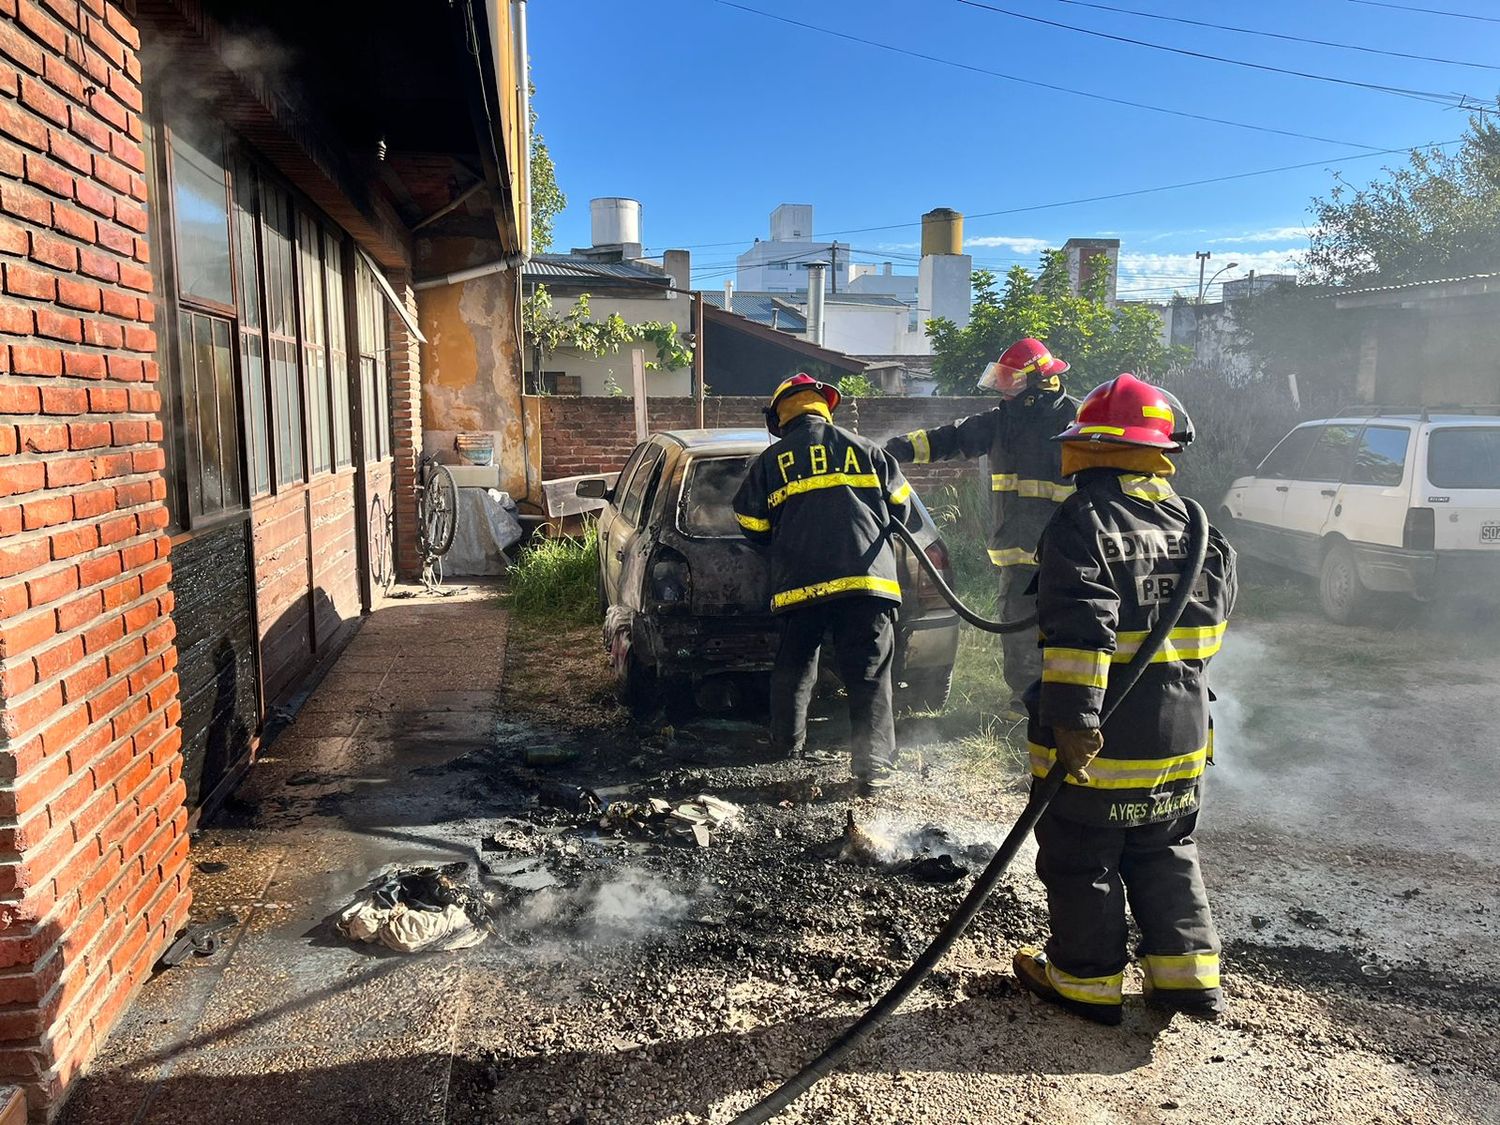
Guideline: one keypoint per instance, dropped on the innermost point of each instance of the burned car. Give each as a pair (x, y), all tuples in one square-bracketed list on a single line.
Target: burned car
[(686, 598)]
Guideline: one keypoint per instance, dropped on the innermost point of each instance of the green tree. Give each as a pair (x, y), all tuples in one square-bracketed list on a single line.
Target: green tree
[(547, 199), (1436, 216), (1098, 340), (858, 386)]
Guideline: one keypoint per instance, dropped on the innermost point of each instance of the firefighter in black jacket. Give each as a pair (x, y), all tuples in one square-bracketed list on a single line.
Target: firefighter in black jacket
[(1026, 481), (1123, 822), (823, 498)]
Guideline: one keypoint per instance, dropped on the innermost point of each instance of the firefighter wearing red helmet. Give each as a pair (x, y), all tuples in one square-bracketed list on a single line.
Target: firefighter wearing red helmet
[(823, 499), (1025, 476), (1123, 823)]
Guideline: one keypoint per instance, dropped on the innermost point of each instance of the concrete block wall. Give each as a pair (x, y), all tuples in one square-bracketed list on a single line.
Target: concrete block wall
[(93, 844), (592, 435)]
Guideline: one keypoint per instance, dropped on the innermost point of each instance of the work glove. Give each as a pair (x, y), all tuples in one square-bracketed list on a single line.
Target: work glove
[(1077, 748)]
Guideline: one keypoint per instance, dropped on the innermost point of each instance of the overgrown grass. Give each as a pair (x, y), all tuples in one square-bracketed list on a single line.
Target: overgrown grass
[(556, 579)]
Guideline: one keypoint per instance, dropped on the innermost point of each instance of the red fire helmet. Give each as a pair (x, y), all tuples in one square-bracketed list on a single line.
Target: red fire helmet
[(1127, 411), (805, 382), (1010, 373)]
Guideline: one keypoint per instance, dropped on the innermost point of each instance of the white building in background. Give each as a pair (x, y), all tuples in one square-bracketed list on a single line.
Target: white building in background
[(779, 264), (869, 309)]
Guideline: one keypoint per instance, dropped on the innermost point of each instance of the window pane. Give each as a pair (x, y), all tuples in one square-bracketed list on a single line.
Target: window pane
[(1381, 456), (1330, 454), (228, 417), (247, 262), (707, 495), (338, 346), (252, 360), (1464, 458), (188, 400), (208, 415), (201, 215), (1284, 461), (634, 496)]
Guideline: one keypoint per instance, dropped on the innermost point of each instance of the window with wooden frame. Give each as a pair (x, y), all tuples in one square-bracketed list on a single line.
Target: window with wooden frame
[(338, 348), (314, 343), (281, 331), (252, 324), (374, 348), (206, 408)]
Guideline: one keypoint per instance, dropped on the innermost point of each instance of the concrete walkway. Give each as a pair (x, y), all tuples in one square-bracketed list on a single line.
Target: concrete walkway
[(289, 1022)]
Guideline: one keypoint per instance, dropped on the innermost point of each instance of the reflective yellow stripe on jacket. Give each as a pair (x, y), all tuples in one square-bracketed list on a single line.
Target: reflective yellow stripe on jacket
[(1083, 666), (1034, 489), (902, 494), (1144, 487), (753, 523), (921, 447), (836, 586), (1195, 971), (1012, 556), (1124, 773), (1183, 643), (824, 480)]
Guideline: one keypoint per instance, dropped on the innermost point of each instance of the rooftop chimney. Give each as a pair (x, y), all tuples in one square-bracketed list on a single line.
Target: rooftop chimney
[(815, 281), (729, 296)]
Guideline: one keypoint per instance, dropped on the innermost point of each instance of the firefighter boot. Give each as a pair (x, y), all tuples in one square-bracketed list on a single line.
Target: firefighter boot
[(1197, 1005), (1030, 967)]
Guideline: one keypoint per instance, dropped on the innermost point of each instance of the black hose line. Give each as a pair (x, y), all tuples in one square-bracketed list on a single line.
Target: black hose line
[(952, 599), (1041, 796)]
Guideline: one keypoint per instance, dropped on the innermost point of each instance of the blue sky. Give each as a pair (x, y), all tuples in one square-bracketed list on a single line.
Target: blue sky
[(711, 115)]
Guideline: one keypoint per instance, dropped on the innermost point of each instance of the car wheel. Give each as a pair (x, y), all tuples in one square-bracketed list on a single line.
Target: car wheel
[(1345, 599), (635, 684), (927, 690)]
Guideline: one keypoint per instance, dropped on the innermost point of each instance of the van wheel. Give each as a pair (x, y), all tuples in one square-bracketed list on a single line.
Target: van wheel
[(1344, 598)]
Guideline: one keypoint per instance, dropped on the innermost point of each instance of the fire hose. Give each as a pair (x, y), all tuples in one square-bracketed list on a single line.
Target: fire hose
[(1041, 796)]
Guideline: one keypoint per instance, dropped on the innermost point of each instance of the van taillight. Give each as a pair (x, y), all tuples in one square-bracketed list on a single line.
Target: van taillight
[(929, 597), (1420, 531)]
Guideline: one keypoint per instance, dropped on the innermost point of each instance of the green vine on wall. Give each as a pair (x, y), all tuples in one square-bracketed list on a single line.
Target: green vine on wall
[(547, 331)]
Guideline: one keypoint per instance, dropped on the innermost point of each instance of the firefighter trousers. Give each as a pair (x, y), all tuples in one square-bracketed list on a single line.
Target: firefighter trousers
[(1089, 871), (864, 642), (1023, 656)]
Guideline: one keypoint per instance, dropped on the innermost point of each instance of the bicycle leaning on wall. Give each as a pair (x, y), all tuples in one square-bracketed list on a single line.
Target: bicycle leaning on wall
[(437, 517)]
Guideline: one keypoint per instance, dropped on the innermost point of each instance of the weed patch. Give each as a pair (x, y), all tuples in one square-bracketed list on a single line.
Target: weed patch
[(557, 579)]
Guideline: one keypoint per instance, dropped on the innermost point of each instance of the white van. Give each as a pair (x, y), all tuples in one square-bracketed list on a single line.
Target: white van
[(1406, 502)]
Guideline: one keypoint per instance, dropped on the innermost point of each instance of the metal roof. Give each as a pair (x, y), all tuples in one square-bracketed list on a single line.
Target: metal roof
[(1470, 284), (542, 266), (760, 307)]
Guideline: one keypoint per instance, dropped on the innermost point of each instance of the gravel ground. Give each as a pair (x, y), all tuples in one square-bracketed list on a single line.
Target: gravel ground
[(1348, 846)]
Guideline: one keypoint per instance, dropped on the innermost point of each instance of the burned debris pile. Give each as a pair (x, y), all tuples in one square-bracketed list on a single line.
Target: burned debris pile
[(420, 909)]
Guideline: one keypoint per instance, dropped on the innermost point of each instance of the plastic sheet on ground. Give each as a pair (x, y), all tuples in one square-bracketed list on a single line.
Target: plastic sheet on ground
[(487, 525)]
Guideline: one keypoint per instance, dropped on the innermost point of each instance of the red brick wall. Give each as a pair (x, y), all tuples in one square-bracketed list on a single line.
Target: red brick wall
[(93, 847), (591, 435)]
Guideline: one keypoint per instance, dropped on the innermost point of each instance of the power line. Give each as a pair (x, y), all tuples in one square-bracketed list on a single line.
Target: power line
[(1281, 35), (1401, 91), (1033, 83), (1427, 11)]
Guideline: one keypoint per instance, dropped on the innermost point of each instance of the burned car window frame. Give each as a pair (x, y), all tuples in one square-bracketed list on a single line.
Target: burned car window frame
[(650, 461), (686, 470)]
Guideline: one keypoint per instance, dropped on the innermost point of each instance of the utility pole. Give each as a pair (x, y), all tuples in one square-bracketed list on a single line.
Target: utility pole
[(1203, 256), (699, 345)]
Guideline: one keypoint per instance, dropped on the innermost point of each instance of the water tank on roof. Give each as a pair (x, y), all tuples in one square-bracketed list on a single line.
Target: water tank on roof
[(615, 220), (942, 232)]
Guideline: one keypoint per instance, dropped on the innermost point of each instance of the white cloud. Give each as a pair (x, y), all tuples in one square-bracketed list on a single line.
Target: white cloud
[(1018, 244), (1300, 233), (1160, 275)]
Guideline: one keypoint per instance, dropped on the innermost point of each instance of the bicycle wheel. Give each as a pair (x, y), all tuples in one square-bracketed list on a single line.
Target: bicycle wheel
[(439, 509)]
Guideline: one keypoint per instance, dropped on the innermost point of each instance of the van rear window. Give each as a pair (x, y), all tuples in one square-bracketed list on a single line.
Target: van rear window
[(707, 495), (1464, 457)]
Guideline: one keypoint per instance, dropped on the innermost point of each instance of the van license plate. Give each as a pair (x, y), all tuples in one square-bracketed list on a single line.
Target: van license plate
[(1490, 532)]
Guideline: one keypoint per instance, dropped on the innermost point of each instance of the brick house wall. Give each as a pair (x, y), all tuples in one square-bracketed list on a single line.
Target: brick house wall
[(593, 435), (93, 844)]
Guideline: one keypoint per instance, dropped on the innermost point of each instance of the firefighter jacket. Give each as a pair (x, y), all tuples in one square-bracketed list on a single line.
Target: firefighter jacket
[(1109, 562), (823, 497), (1026, 481)]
